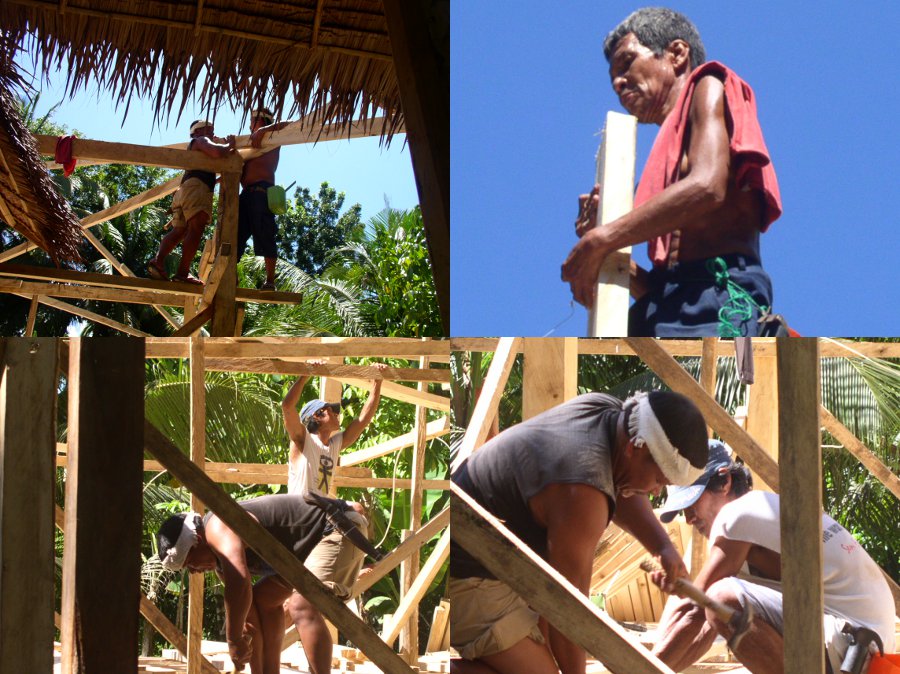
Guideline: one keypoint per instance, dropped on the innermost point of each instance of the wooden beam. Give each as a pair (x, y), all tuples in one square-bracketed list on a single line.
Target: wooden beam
[(95, 279), (276, 366), (19, 287), (801, 504), (223, 259), (489, 400), (224, 318), (549, 593), (418, 588), (679, 380), (198, 456), (88, 315), (550, 373), (287, 348), (615, 175), (858, 449), (32, 316), (762, 415), (27, 487), (425, 95), (197, 322), (145, 155), (279, 558), (393, 559), (708, 370), (433, 429), (104, 506)]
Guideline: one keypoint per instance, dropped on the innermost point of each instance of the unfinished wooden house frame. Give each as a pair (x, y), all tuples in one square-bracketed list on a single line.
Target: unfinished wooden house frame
[(784, 410), (339, 56), (104, 460)]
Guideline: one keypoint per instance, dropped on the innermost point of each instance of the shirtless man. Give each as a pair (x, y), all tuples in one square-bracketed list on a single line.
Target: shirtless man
[(255, 218), (191, 206), (707, 192)]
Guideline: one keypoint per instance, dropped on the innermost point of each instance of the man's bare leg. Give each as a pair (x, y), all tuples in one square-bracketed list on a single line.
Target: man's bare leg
[(167, 245), (762, 648), (460, 666), (525, 656), (195, 227), (313, 633), (256, 651), (685, 642), (268, 599), (270, 269)]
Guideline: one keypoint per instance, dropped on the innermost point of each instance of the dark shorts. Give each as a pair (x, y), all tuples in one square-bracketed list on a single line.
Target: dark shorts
[(256, 220), (685, 301)]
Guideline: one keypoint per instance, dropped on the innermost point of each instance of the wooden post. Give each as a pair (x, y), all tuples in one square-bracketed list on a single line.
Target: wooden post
[(762, 415), (27, 488), (198, 456), (32, 316), (550, 373), (104, 508), (708, 370), (224, 318), (801, 504), (615, 175)]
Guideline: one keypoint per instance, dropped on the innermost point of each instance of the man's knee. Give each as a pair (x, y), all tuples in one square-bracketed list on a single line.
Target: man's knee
[(198, 221), (301, 611), (725, 592)]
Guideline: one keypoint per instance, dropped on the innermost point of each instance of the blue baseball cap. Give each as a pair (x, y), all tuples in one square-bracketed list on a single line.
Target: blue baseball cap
[(313, 406), (679, 498)]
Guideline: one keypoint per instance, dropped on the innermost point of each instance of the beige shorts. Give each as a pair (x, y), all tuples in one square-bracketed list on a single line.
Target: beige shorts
[(336, 561), (487, 617), (191, 198)]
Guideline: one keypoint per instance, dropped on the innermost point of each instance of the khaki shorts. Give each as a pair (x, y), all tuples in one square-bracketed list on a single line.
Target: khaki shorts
[(488, 617), (191, 198), (336, 561)]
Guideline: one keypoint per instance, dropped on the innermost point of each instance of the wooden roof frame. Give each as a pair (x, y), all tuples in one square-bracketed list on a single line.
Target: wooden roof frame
[(107, 376), (798, 384)]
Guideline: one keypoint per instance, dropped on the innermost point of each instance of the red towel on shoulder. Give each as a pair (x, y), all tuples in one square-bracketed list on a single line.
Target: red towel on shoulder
[(751, 165), (64, 154)]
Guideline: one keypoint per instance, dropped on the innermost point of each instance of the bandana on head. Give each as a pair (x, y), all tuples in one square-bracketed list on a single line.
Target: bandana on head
[(200, 124), (187, 539), (646, 430)]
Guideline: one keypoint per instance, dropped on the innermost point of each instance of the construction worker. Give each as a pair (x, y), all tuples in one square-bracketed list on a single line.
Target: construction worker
[(744, 532), (191, 206), (255, 219), (556, 481), (707, 191), (254, 627)]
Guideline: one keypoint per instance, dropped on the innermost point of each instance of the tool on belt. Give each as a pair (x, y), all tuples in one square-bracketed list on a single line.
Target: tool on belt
[(738, 621), (858, 656), (334, 513)]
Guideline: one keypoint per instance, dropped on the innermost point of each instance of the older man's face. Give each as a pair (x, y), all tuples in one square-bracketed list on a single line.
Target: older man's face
[(641, 79), (643, 476)]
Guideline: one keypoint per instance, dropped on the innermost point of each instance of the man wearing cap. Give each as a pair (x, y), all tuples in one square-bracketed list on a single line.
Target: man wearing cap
[(255, 219), (744, 532), (556, 480), (254, 626), (191, 206)]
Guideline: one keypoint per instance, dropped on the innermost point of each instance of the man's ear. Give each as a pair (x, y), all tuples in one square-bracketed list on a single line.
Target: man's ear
[(679, 53)]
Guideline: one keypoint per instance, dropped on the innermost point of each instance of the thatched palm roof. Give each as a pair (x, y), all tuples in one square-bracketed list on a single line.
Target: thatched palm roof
[(330, 55), (29, 200)]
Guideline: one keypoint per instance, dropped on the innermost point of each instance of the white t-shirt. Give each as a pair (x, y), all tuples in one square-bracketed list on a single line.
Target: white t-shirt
[(854, 587), (314, 468)]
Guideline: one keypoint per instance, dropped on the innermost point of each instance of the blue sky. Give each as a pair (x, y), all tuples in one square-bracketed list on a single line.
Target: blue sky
[(530, 90), (367, 173)]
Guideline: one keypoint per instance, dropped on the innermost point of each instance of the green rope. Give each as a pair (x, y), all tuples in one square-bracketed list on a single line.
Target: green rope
[(739, 306)]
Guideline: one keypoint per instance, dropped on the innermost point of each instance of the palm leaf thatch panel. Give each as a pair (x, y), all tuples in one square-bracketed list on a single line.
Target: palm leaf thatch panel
[(29, 200), (332, 56)]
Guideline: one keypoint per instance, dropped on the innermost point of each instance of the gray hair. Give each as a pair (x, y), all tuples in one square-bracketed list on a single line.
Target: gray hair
[(656, 28)]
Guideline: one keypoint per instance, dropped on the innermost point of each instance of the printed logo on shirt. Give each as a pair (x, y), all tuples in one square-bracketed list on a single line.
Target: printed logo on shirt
[(326, 466), (829, 533)]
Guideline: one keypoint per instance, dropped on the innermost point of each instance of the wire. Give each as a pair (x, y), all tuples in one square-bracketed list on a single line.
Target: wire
[(387, 528), (571, 313)]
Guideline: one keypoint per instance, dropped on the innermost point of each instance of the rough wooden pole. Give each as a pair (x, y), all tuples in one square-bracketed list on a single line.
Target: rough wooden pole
[(104, 508), (32, 316), (801, 504), (550, 373), (615, 175), (198, 456), (225, 313), (27, 488), (762, 414), (708, 370)]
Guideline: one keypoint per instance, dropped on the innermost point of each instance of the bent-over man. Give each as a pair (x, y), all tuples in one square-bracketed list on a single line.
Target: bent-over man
[(706, 193), (744, 568), (557, 480)]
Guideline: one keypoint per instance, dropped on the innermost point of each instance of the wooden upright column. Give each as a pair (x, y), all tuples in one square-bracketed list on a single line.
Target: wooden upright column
[(198, 456), (762, 412), (550, 373), (104, 508), (27, 486), (801, 503), (225, 315)]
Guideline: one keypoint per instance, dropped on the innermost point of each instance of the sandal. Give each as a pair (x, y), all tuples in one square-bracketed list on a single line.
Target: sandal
[(156, 271), (189, 278), (268, 285)]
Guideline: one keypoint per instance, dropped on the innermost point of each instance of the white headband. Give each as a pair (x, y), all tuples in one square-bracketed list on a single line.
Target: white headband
[(200, 124), (646, 430), (187, 539)]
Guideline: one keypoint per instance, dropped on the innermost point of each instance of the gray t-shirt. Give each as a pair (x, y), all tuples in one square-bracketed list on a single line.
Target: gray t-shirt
[(570, 443)]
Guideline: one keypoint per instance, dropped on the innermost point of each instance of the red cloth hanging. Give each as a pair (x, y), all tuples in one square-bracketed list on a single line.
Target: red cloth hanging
[(64, 154)]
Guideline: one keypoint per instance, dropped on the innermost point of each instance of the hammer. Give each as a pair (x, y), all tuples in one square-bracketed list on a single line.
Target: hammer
[(858, 652), (738, 621)]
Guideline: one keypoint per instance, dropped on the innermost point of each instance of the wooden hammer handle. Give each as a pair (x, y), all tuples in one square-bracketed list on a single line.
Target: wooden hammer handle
[(685, 588)]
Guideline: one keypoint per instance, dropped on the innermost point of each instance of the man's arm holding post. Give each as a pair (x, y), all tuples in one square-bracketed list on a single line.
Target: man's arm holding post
[(292, 424), (358, 425), (256, 138), (238, 590), (677, 207), (211, 148), (635, 515)]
